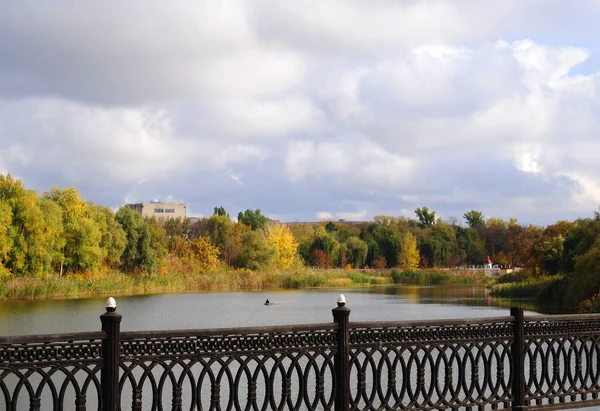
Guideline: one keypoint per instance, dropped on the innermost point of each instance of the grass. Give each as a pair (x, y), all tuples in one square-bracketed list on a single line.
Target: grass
[(436, 276), (522, 287), (118, 284)]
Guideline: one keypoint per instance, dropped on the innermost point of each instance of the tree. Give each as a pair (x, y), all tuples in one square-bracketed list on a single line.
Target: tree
[(426, 217), (327, 243), (34, 233), (256, 252), (409, 257), (113, 238), (474, 219), (304, 235), (177, 227), (356, 251), (82, 251), (206, 255), (320, 259), (253, 218), (138, 253), (438, 244), (220, 211), (231, 246), (282, 240), (388, 244), (470, 241), (5, 243)]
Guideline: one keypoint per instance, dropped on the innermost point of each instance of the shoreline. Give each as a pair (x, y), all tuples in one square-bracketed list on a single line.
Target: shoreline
[(120, 284)]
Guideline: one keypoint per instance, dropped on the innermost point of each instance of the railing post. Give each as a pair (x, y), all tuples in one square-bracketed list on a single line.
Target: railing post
[(341, 315), (109, 378), (518, 363)]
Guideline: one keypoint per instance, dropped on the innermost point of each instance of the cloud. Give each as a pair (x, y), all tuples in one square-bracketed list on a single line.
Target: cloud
[(358, 108)]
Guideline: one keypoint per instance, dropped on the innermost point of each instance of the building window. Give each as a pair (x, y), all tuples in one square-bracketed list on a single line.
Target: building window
[(159, 210), (169, 210)]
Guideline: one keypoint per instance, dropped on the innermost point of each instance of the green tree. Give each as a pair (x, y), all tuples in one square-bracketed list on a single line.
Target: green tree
[(256, 252), (138, 255), (388, 243), (327, 243), (474, 219), (438, 244), (253, 218), (470, 241), (579, 239), (584, 282), (113, 239), (304, 235), (356, 251), (426, 217), (220, 211)]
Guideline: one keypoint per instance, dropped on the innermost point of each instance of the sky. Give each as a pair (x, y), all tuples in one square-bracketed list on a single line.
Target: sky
[(307, 110)]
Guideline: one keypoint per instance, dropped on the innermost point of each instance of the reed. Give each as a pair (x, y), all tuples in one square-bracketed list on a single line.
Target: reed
[(525, 288), (437, 276), (117, 283)]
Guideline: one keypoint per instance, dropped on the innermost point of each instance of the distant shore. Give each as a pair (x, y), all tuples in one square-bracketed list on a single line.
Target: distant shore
[(119, 284)]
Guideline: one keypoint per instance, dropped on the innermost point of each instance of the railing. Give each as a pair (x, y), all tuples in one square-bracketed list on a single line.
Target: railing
[(512, 362)]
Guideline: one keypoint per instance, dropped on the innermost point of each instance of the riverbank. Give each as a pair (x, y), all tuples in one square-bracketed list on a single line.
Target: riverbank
[(119, 284)]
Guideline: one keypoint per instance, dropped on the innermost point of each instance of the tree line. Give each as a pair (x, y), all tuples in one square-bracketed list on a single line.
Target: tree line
[(60, 233)]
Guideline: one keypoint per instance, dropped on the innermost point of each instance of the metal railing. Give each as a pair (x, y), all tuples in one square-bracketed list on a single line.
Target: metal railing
[(512, 362)]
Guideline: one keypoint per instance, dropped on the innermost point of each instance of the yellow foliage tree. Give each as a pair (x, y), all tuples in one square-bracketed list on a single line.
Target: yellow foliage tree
[(281, 238), (206, 255), (408, 258)]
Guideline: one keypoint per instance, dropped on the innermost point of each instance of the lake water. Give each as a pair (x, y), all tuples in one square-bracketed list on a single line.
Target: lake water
[(243, 309)]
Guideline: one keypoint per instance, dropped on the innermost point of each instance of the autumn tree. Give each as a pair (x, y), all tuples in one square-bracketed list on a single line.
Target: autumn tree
[(82, 251), (5, 245), (35, 230), (282, 240), (232, 244), (205, 254), (408, 258)]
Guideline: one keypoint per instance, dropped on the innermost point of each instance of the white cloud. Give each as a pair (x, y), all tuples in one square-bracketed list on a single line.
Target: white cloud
[(348, 159), (273, 119), (325, 216), (309, 104)]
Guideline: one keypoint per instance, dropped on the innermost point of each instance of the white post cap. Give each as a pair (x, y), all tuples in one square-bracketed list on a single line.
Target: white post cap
[(111, 303)]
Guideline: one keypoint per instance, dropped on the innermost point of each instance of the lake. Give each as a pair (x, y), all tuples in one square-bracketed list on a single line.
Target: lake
[(243, 309)]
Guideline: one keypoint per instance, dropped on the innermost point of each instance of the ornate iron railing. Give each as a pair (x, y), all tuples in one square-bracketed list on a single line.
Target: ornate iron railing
[(270, 368), (58, 372), (512, 362)]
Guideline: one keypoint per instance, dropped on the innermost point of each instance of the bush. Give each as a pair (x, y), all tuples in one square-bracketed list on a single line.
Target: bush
[(422, 276)]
